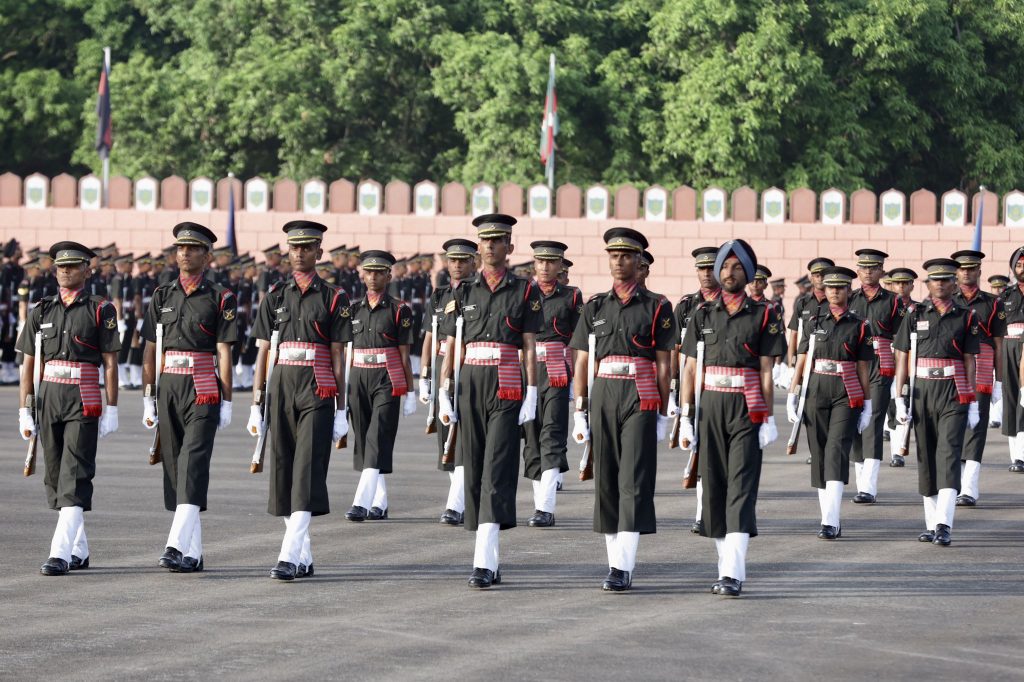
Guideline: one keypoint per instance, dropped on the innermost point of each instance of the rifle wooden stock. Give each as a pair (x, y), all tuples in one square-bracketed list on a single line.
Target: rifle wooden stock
[(342, 442), (432, 401), (448, 454), (155, 454), (587, 472), (794, 435), (911, 378), (256, 465), (690, 474), (33, 441), (32, 403)]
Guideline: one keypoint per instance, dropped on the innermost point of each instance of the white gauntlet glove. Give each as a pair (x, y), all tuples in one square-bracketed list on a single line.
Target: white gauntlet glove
[(865, 416), (409, 406), (225, 414), (580, 428), (673, 407), (973, 416), (997, 392), (767, 434), (792, 403), (108, 421), (255, 425), (687, 436), (528, 412), (445, 411), (901, 411), (424, 390), (662, 428), (341, 424), (149, 418), (26, 425)]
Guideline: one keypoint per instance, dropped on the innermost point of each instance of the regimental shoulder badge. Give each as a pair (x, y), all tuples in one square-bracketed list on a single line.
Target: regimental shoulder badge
[(407, 322), (773, 328), (535, 305), (111, 323), (346, 311), (1002, 315), (579, 309), (229, 314), (666, 323), (974, 329), (903, 311)]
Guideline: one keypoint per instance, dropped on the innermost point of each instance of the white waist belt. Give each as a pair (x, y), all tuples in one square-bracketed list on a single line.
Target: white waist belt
[(483, 353), (370, 358), (724, 380), (831, 366), (1015, 330), (62, 372), (619, 368), (298, 354), (179, 361), (936, 372)]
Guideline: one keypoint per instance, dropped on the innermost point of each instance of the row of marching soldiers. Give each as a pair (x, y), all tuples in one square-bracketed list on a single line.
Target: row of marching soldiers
[(499, 360)]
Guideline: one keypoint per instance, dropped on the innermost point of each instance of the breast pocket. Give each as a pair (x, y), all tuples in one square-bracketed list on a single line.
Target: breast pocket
[(203, 318), (640, 336), (51, 340)]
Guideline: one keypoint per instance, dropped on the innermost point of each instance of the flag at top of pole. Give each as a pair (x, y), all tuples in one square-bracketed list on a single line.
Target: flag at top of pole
[(549, 128), (104, 131), (977, 223)]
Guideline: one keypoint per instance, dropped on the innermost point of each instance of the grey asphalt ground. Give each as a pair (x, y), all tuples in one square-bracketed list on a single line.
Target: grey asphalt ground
[(389, 600)]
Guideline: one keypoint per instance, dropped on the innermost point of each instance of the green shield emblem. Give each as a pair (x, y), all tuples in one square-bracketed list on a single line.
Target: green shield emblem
[(655, 206), (1015, 212), (954, 212), (312, 200), (368, 200), (831, 210), (35, 194), (892, 211), (255, 199), (539, 203), (90, 194), (145, 197), (773, 209), (713, 207), (425, 202), (200, 198), (481, 202), (595, 204)]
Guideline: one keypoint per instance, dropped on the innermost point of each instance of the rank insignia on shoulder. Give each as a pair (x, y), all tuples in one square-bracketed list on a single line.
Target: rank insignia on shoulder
[(229, 315), (111, 323), (535, 306)]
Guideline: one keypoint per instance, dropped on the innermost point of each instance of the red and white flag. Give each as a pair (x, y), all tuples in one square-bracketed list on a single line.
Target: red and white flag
[(549, 127)]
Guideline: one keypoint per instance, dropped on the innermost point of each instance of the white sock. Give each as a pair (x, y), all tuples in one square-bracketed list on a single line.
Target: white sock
[(561, 478), (896, 439), (930, 504), (185, 518), (80, 547), (970, 472), (296, 528), (823, 505), (628, 542), (380, 497), (366, 489), (486, 554), (414, 364), (1012, 442), (306, 555), (122, 375), (858, 473), (833, 503), (732, 555), (945, 506), (611, 546), (700, 499), (195, 546), (545, 490), (457, 490), (68, 521), (871, 467), (135, 371), (995, 415)]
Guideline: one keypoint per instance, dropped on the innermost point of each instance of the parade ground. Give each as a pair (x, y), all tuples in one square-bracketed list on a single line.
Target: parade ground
[(389, 600)]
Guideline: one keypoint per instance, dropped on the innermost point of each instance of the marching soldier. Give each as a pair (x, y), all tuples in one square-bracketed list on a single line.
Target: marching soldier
[(778, 292), (901, 284), (11, 275), (170, 271), (382, 331), (646, 261), (884, 313), (121, 295), (460, 264), (270, 272), (563, 276), (356, 291), (78, 335), (1013, 344), (998, 283), (634, 334), (741, 341), (835, 407), (307, 412), (198, 324), (502, 316), (710, 290), (544, 454), (943, 403), (991, 320), (805, 307), (143, 286)]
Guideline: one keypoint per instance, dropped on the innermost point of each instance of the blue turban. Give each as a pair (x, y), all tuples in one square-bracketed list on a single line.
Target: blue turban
[(742, 251)]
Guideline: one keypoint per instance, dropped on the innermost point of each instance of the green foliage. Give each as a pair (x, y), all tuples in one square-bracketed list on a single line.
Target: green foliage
[(845, 93)]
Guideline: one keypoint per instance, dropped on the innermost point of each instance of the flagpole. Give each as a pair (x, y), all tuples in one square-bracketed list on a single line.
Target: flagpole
[(551, 158), (978, 220), (106, 159)]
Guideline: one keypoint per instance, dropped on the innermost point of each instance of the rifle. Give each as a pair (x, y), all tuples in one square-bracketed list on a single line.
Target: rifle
[(905, 446), (155, 455), (432, 402), (586, 462), (32, 403), (690, 474), (677, 387), (343, 441), (447, 455), (256, 466), (802, 403)]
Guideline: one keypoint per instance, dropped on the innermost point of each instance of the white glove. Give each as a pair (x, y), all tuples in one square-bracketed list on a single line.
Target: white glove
[(865, 416), (108, 421), (686, 434), (225, 414), (792, 402), (341, 423), (255, 425), (424, 390), (580, 428), (767, 434), (26, 425), (409, 406), (892, 391), (138, 325), (528, 412), (997, 391), (662, 427), (122, 327), (149, 418), (901, 411), (673, 406), (973, 417), (445, 411), (1020, 400)]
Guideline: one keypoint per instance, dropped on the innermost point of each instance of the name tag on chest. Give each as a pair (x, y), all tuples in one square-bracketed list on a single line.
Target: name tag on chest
[(922, 325), (46, 325)]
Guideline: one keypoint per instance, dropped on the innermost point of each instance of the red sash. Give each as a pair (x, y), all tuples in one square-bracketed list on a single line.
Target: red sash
[(88, 384), (756, 406), (886, 361), (396, 372), (203, 375), (848, 373), (323, 371), (555, 362), (964, 393), (984, 372), (510, 379), (644, 378)]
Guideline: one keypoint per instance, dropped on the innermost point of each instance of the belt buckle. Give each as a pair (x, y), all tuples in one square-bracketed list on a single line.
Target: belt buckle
[(723, 381), (62, 372), (935, 372)]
